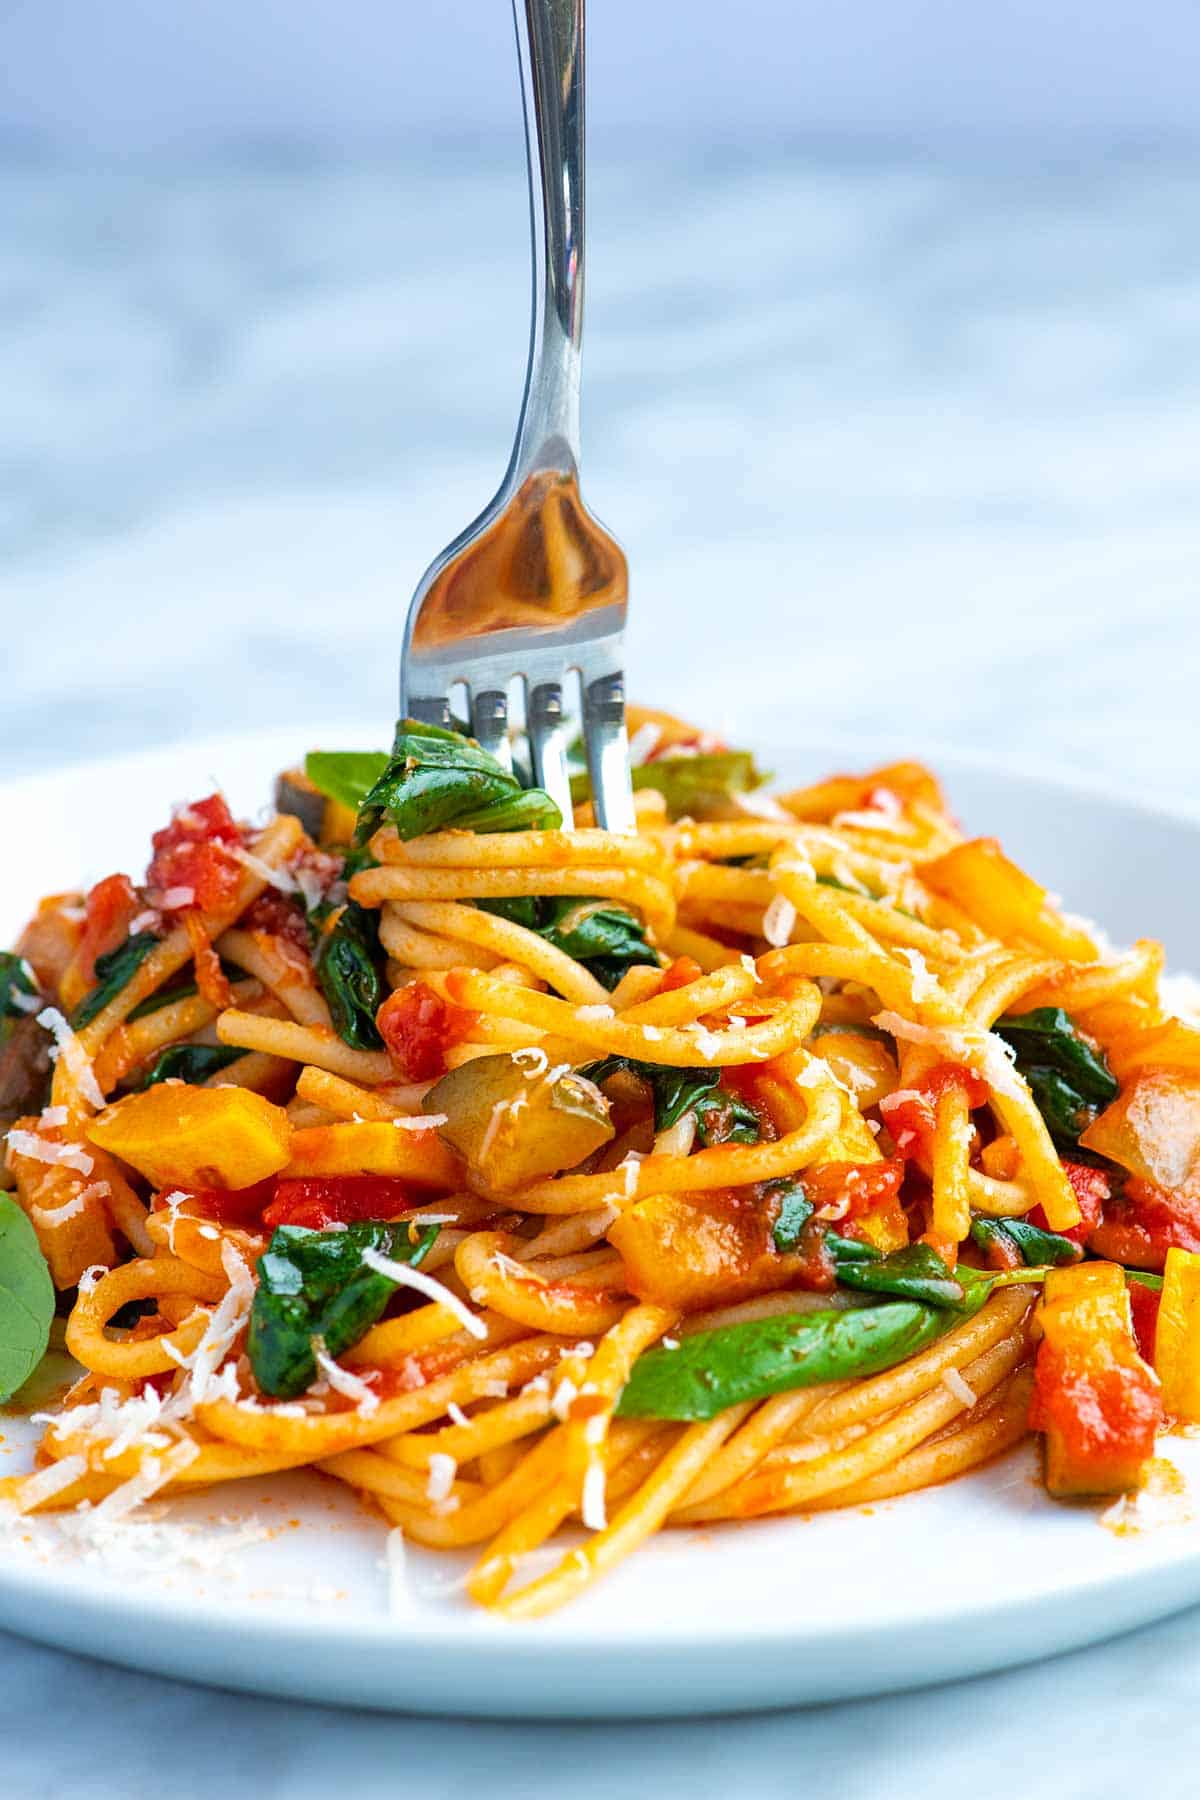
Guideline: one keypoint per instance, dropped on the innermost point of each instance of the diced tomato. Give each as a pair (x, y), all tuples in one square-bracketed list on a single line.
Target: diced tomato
[(1101, 1409), (679, 973), (338, 1200), (229, 1206), (1142, 1222), (418, 1027), (278, 916), (1143, 1305), (910, 1114), (210, 976), (849, 1190), (193, 851), (1092, 1188), (111, 907)]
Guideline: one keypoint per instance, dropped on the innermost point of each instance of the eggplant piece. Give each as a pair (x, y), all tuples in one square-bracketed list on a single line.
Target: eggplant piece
[(295, 794), (514, 1126), (25, 1070)]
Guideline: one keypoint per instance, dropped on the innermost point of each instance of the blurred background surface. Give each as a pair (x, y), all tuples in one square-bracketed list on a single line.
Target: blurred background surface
[(892, 361)]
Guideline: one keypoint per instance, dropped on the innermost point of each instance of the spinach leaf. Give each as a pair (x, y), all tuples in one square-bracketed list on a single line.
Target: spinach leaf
[(916, 1272), (711, 1370), (608, 940), (315, 1284), (347, 776), (1034, 1245), (348, 964), (190, 1062), (691, 785), (114, 970), (721, 1117), (17, 983), (1069, 1080), (795, 1210), (435, 779), (26, 1299)]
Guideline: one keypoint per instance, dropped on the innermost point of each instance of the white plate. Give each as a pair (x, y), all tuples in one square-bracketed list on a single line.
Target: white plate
[(953, 1582)]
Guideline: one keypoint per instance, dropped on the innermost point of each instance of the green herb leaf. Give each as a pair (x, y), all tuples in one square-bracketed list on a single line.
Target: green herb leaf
[(114, 971), (435, 779), (1068, 1079), (17, 983), (315, 1284), (26, 1299), (348, 964), (1032, 1244), (721, 1117), (711, 1370), (696, 786), (190, 1062), (795, 1210), (346, 776), (608, 940), (916, 1272)]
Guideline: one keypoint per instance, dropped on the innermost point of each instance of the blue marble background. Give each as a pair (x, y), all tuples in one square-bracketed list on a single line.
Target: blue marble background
[(896, 444)]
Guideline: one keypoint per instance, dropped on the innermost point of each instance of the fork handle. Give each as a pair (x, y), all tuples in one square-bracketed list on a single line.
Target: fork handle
[(550, 53)]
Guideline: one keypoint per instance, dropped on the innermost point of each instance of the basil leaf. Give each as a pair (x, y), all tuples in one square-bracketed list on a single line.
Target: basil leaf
[(1068, 1079), (17, 983), (114, 971), (691, 785), (26, 1299), (711, 1370), (315, 1284), (348, 964), (608, 940), (435, 779), (346, 776), (916, 1272), (795, 1210), (721, 1117), (1034, 1245), (190, 1062)]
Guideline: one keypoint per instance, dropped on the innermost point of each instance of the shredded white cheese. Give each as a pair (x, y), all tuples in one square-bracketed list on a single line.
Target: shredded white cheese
[(778, 920), (456, 1415), (53, 1116), (924, 984), (594, 1014), (532, 1060), (176, 898), (399, 1595), (276, 878), (594, 1510), (969, 1044), (404, 1276), (442, 1471), (74, 1057), (145, 921), (38, 1149), (750, 966), (353, 1387), (36, 1489), (960, 1387), (419, 1121)]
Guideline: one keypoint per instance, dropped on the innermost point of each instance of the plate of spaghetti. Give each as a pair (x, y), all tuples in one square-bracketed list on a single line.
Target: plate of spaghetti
[(453, 1262)]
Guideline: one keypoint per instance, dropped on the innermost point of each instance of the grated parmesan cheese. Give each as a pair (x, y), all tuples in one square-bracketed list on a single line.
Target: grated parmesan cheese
[(404, 1276), (74, 1058), (442, 1471), (594, 1511), (456, 1415), (750, 966), (778, 920), (419, 1121), (594, 1014), (52, 1116), (399, 1594), (276, 878), (924, 983), (960, 1387), (351, 1386), (36, 1489), (38, 1149), (537, 1060), (145, 921), (176, 898), (969, 1044)]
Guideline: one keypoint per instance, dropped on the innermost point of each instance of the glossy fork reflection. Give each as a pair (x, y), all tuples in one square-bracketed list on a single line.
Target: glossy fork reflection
[(536, 589)]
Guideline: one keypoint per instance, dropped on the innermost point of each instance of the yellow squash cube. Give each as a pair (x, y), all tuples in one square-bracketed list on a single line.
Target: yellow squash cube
[(195, 1137)]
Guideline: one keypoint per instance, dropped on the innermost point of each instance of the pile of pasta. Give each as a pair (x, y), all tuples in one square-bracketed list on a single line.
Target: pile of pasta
[(741, 1205)]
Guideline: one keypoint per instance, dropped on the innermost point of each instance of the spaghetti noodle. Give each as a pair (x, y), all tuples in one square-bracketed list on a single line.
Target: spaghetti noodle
[(791, 1153)]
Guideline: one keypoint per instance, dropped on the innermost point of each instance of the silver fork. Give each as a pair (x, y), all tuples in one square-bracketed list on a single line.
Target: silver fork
[(536, 588)]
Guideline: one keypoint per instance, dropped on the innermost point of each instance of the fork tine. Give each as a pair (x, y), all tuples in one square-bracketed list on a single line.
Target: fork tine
[(547, 729), (429, 709), (608, 752), (489, 724)]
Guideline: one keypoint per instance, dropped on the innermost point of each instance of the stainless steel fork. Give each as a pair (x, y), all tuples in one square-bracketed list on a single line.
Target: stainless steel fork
[(536, 588)]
